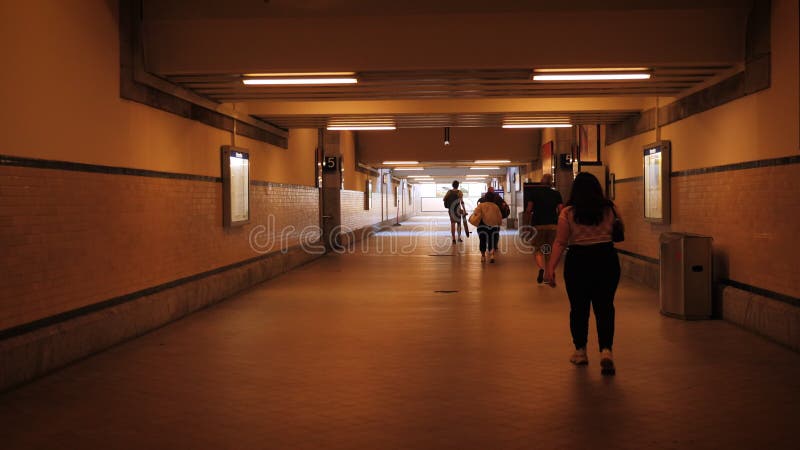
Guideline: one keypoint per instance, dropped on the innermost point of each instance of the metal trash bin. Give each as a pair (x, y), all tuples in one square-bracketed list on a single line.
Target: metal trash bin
[(685, 276)]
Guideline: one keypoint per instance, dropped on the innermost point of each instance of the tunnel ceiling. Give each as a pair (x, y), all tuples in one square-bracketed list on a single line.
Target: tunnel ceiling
[(444, 63), (181, 9)]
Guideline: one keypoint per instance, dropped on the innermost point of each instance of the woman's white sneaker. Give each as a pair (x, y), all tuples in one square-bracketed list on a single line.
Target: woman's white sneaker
[(579, 358), (607, 363)]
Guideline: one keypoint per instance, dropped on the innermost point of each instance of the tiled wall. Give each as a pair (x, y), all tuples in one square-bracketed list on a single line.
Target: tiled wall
[(354, 216), (73, 238), (751, 214)]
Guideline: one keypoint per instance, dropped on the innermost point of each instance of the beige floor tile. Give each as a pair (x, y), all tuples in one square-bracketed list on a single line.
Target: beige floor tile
[(360, 351)]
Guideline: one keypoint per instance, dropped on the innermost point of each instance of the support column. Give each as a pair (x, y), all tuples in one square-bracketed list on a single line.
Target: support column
[(331, 190)]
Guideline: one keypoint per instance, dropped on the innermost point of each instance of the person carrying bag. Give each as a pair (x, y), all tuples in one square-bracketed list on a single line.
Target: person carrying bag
[(487, 217), (588, 227)]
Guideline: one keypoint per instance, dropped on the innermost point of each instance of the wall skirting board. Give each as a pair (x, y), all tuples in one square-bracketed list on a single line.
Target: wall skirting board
[(638, 268), (776, 320), (31, 353), (351, 237), (770, 314)]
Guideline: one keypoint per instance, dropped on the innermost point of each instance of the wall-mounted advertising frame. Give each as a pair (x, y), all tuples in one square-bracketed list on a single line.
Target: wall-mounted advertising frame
[(368, 195), (235, 186), (656, 164)]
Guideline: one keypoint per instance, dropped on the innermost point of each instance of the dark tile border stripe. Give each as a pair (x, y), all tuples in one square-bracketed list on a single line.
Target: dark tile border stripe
[(628, 180), (784, 161), (794, 301), (286, 185), (757, 164), (15, 161), (95, 168), (638, 256), (72, 314)]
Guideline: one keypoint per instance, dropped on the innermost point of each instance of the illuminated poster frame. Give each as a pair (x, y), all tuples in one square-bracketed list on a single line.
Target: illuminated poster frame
[(368, 195), (656, 163), (235, 186)]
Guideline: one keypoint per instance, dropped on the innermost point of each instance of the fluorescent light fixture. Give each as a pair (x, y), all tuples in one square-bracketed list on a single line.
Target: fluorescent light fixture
[(400, 163), (492, 161), (536, 119), (419, 176), (297, 81), (408, 168), (594, 69), (302, 74), (279, 79), (485, 168), (537, 125), (360, 127), (593, 77), (592, 74)]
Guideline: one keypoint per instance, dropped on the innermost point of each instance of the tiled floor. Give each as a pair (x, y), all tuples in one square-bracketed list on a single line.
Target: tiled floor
[(360, 351)]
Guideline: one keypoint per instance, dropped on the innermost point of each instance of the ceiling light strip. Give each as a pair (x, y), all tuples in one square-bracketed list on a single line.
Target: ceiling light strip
[(301, 74), (592, 77), (593, 69), (298, 81), (360, 127), (537, 125)]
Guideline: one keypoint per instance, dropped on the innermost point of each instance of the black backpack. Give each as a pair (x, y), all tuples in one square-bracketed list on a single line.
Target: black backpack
[(449, 198), (505, 210)]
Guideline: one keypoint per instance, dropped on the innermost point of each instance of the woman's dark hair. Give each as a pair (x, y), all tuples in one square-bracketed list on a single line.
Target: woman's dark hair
[(491, 197), (455, 184), (587, 200)]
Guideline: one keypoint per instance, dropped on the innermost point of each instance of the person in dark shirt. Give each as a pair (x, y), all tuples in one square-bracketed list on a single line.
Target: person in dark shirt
[(543, 209), (488, 191), (456, 211)]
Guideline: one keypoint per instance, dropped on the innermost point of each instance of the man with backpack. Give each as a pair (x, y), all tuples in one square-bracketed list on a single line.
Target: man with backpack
[(454, 202)]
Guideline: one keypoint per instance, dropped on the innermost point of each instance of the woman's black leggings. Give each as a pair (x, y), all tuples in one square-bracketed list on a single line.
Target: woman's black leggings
[(489, 237), (591, 273)]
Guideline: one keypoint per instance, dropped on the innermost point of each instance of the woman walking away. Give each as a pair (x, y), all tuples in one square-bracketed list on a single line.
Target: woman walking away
[(488, 218), (591, 268)]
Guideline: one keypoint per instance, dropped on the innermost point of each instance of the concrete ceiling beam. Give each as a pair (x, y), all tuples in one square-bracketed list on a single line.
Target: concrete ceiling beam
[(445, 41)]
